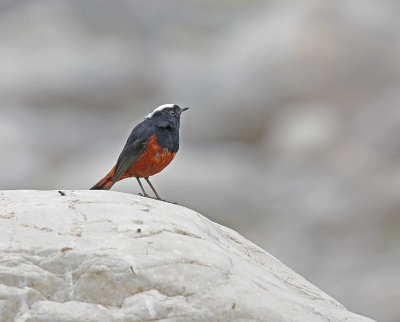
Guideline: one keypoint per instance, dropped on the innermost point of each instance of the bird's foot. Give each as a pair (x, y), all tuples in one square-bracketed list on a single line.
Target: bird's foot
[(155, 198), (172, 202)]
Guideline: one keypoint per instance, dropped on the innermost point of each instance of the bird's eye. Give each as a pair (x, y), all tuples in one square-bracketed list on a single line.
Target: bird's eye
[(172, 113)]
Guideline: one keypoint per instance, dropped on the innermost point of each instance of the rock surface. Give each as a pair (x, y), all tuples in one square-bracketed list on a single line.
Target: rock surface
[(107, 256)]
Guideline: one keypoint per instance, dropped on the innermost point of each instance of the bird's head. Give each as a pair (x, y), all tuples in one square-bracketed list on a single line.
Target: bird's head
[(167, 114)]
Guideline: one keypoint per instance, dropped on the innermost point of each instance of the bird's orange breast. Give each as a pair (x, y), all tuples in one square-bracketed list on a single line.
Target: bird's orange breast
[(152, 161)]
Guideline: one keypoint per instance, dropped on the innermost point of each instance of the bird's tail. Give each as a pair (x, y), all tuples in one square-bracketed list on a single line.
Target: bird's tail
[(106, 183)]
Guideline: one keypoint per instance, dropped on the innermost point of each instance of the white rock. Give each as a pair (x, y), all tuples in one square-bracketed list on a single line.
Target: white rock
[(108, 256)]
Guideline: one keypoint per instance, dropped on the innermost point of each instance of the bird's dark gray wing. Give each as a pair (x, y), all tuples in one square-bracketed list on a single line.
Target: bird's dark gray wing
[(130, 153)]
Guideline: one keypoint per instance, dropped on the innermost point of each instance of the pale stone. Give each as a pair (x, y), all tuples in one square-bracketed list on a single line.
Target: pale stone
[(108, 256)]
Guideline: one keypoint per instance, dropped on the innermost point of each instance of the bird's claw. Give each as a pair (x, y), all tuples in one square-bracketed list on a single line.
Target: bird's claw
[(154, 198)]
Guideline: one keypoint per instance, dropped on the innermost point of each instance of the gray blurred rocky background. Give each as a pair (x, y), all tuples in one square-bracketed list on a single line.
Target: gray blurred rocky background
[(292, 139)]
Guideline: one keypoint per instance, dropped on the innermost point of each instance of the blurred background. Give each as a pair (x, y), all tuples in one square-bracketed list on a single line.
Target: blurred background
[(292, 139)]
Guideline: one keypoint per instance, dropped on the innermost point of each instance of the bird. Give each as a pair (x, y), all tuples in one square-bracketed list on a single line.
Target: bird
[(150, 147)]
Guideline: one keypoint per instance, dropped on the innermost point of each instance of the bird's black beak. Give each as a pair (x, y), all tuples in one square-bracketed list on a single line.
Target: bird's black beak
[(184, 109)]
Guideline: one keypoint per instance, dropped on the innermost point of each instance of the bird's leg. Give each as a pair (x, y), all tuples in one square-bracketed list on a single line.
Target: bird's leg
[(152, 188), (140, 184)]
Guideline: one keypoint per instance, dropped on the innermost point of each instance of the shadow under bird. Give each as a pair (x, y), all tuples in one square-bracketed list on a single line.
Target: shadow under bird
[(151, 146)]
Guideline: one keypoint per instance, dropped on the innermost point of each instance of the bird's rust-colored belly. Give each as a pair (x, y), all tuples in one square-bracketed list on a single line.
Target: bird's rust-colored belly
[(152, 161)]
